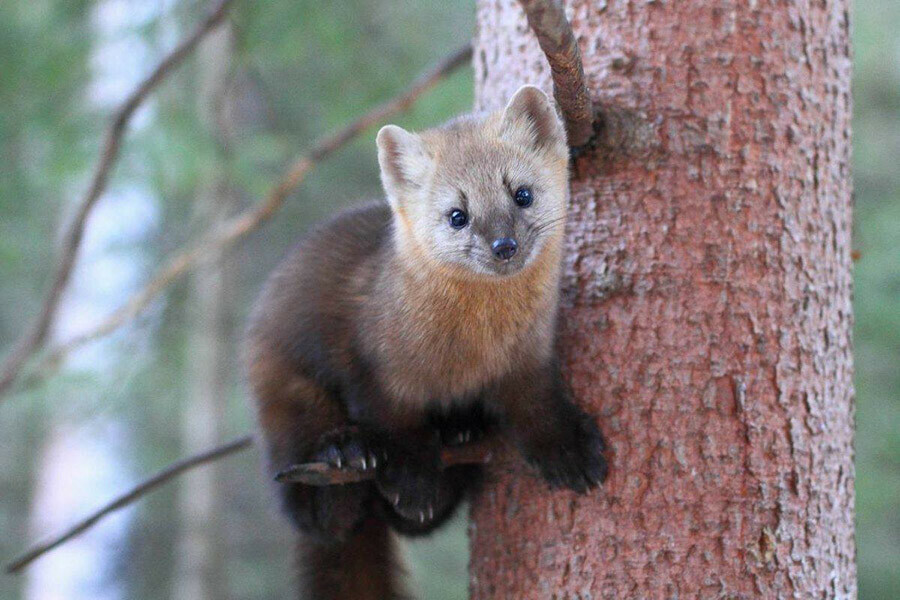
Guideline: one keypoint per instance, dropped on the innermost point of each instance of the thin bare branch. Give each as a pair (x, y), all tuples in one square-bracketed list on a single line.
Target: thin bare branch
[(319, 473), (308, 473), (36, 335), (554, 33), (241, 225), (139, 490)]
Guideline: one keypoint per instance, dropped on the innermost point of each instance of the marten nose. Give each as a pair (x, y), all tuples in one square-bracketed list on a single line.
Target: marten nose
[(504, 248)]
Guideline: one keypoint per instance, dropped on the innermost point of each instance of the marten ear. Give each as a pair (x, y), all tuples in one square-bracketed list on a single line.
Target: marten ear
[(530, 118), (403, 159)]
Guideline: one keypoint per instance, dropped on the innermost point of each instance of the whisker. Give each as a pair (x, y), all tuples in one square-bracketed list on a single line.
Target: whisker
[(545, 226)]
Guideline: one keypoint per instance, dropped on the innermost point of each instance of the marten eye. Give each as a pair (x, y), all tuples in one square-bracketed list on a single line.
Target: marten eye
[(524, 197), (458, 218)]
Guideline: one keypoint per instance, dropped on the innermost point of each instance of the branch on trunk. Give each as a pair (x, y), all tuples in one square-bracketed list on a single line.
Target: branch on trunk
[(320, 473), (241, 225), (139, 490), (34, 338), (554, 33)]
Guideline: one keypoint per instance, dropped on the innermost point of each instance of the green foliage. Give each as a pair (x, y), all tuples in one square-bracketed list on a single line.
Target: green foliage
[(42, 151), (43, 134)]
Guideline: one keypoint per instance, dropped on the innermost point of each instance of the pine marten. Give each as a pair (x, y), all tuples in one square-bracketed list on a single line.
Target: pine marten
[(401, 326)]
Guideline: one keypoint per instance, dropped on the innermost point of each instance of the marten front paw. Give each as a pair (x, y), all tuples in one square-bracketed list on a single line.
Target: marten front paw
[(410, 481), (348, 449), (574, 460)]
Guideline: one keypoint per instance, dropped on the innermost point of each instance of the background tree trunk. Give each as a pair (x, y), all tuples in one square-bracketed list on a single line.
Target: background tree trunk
[(201, 572), (706, 315)]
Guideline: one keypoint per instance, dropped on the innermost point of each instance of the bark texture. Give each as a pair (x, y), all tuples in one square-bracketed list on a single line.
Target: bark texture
[(706, 314)]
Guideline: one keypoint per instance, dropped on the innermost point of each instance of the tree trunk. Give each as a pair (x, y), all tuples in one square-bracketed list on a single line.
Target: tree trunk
[(706, 314), (201, 572)]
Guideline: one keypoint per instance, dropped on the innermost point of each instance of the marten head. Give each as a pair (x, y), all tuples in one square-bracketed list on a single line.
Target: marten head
[(481, 195)]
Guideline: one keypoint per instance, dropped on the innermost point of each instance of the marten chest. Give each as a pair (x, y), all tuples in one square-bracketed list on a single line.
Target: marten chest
[(447, 343)]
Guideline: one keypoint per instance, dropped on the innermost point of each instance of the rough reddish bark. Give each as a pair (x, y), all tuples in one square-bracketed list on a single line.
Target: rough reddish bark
[(706, 317)]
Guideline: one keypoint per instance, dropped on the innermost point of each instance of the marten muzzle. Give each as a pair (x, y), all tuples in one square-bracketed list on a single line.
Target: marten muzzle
[(504, 248)]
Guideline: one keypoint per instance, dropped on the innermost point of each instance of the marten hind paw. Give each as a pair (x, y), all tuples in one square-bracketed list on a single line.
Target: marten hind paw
[(411, 485), (411, 498), (348, 449)]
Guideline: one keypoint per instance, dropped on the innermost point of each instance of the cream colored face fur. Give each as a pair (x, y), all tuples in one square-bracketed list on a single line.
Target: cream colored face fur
[(476, 164)]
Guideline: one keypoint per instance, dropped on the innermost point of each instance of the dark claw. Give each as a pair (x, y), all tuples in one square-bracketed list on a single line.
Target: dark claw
[(332, 455), (347, 448)]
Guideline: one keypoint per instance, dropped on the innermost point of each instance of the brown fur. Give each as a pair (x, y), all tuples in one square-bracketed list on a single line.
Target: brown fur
[(445, 337), (372, 562), (387, 325)]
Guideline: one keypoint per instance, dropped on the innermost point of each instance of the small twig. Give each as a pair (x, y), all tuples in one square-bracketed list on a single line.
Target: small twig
[(554, 33), (141, 489), (243, 224), (319, 473), (35, 337)]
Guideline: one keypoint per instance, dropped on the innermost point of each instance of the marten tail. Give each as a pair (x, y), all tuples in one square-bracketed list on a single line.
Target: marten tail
[(365, 566)]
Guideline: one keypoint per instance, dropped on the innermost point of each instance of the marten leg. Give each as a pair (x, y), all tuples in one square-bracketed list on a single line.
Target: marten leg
[(297, 417), (554, 435), (456, 425), (408, 450)]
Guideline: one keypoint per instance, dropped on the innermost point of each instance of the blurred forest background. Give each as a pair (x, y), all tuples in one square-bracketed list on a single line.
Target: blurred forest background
[(209, 143)]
